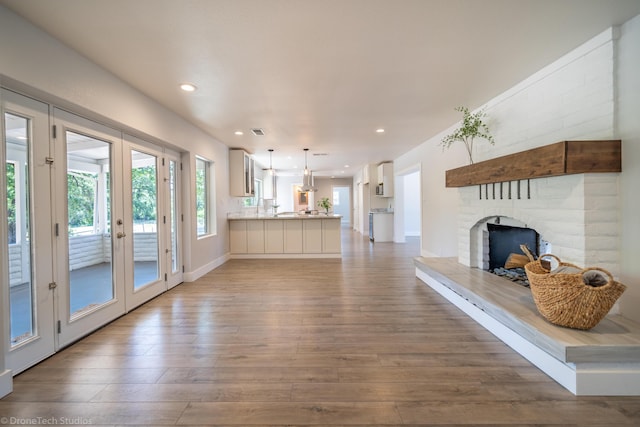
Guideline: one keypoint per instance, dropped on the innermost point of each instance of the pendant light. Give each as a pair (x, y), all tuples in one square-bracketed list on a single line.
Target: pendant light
[(307, 178), (272, 173), (306, 168)]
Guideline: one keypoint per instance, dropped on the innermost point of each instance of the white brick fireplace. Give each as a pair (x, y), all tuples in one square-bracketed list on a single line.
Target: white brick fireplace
[(577, 215)]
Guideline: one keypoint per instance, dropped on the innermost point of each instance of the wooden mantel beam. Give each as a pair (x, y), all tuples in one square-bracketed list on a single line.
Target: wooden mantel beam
[(561, 158)]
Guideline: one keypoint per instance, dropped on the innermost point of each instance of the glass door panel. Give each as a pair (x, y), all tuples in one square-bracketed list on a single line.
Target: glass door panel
[(143, 222), (28, 226), (173, 217), (173, 220), (21, 291), (89, 250), (144, 206)]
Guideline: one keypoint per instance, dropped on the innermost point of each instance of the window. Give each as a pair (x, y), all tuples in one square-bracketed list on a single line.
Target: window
[(82, 190), (11, 201), (205, 198), (258, 194)]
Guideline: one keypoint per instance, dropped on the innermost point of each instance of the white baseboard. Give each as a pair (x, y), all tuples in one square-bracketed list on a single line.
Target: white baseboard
[(584, 379), (191, 276), (285, 256), (6, 383)]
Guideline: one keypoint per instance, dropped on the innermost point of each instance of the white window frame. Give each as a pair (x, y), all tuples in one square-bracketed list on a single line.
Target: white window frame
[(210, 228)]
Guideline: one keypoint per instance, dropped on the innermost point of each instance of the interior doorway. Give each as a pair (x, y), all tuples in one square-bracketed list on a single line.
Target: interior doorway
[(342, 203), (411, 204), (408, 208)]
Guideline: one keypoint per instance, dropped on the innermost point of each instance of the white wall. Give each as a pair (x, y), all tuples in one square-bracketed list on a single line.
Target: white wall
[(439, 205), (628, 107), (34, 63), (590, 93)]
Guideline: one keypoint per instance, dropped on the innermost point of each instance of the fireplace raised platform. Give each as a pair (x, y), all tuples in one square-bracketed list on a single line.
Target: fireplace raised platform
[(602, 361)]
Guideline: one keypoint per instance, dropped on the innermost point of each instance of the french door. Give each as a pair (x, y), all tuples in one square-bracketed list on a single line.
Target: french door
[(152, 258), (93, 226), (27, 250), (121, 242), (90, 226)]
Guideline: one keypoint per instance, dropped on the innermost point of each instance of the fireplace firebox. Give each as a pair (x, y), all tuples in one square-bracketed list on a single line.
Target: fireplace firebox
[(505, 240)]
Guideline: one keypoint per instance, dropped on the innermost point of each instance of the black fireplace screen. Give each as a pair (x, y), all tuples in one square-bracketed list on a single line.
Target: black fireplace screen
[(505, 239)]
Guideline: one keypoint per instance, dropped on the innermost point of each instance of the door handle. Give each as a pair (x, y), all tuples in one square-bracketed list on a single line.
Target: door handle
[(120, 235)]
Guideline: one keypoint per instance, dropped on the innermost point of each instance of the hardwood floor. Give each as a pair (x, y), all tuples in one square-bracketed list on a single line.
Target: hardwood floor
[(300, 342)]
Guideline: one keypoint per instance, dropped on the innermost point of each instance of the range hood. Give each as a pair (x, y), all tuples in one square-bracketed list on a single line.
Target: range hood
[(307, 183)]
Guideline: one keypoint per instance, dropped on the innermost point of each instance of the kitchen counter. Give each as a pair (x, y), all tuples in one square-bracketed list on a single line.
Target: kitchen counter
[(287, 215), (286, 235)]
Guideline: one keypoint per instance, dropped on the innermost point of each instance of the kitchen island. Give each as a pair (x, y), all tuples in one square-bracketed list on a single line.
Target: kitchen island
[(285, 236)]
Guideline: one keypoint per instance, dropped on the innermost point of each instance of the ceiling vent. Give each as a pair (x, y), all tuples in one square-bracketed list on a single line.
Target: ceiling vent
[(257, 132), (320, 154)]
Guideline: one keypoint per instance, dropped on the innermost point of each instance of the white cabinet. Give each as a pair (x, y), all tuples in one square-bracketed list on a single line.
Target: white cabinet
[(317, 237), (311, 236), (385, 179), (255, 237), (274, 236), (241, 174), (292, 237), (331, 236), (382, 227), (365, 174), (238, 237)]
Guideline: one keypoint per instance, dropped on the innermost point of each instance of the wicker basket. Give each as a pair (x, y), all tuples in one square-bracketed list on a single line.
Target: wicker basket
[(566, 300)]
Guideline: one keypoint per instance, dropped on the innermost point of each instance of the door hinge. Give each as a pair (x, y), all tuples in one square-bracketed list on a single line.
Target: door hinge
[(165, 277), (59, 326), (182, 217), (163, 161), (183, 268), (53, 285), (180, 165), (57, 229), (164, 219), (48, 160), (54, 131)]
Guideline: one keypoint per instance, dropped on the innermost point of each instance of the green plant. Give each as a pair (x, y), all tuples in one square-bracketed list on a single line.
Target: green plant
[(324, 204), (472, 127)]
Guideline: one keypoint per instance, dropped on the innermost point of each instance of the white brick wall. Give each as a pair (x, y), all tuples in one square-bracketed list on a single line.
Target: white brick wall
[(578, 214)]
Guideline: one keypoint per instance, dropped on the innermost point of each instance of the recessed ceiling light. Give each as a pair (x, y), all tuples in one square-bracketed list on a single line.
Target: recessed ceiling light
[(380, 130), (187, 87), (239, 132), (346, 166)]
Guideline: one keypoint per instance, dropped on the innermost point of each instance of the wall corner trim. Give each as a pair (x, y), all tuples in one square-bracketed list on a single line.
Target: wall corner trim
[(6, 383)]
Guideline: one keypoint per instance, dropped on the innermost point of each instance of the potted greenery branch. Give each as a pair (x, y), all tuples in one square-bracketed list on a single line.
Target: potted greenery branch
[(472, 127), (325, 204)]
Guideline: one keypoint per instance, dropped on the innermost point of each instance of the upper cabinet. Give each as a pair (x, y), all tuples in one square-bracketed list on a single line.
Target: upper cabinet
[(241, 174), (385, 180)]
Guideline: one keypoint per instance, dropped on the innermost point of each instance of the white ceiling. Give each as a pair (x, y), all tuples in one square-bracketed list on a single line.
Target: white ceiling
[(324, 74)]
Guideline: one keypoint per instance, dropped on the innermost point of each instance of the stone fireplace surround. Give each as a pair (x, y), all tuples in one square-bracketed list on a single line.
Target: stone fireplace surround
[(577, 215)]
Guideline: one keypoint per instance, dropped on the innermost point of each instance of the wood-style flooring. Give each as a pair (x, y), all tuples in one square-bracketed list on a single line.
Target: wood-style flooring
[(357, 341)]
